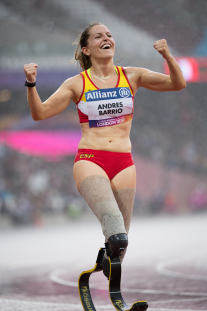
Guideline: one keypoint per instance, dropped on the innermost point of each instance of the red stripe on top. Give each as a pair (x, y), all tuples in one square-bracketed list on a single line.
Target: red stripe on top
[(82, 116), (83, 88), (90, 79), (118, 76), (127, 80), (98, 87), (133, 106)]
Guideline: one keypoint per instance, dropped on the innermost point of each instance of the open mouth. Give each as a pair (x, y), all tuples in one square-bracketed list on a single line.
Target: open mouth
[(106, 46)]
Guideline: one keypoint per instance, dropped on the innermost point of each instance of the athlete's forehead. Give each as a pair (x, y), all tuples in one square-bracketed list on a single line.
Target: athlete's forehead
[(99, 29)]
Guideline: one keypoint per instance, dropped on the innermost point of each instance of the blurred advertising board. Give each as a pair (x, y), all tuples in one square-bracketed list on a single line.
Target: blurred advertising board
[(194, 68)]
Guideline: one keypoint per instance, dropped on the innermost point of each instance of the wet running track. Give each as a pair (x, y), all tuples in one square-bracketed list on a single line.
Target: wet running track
[(166, 264)]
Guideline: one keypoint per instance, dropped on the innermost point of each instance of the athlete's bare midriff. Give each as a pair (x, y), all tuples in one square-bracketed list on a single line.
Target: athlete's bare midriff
[(110, 138)]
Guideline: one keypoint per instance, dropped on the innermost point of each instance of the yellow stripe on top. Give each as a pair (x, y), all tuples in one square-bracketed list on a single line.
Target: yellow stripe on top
[(89, 71), (123, 80), (90, 86)]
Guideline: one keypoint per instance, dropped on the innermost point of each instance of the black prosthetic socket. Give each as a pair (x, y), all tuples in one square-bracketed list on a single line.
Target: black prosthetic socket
[(106, 267), (114, 248), (103, 262), (116, 245)]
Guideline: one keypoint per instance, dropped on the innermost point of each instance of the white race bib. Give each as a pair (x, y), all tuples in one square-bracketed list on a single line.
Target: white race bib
[(106, 107)]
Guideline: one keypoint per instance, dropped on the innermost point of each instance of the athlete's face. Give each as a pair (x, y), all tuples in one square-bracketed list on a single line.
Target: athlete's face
[(100, 43)]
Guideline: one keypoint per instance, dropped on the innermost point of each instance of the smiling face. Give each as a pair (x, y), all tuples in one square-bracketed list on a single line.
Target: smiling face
[(100, 43)]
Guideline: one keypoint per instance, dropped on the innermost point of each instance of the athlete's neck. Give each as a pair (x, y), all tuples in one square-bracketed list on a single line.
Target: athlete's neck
[(102, 68), (104, 72)]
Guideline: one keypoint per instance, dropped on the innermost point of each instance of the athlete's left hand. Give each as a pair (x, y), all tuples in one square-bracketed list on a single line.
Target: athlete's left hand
[(162, 47)]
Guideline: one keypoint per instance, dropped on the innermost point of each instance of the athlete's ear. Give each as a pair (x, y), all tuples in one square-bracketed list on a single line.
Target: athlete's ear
[(86, 51)]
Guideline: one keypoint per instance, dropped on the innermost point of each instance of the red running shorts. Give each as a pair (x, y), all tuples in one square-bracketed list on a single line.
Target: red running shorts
[(111, 162)]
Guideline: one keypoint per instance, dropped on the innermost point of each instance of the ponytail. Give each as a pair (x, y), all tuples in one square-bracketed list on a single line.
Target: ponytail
[(83, 61)]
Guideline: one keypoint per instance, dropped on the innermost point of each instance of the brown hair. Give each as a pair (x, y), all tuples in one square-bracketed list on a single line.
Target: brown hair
[(83, 60)]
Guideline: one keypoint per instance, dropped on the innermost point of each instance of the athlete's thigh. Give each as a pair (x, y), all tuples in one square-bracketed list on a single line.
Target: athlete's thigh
[(124, 179), (83, 169)]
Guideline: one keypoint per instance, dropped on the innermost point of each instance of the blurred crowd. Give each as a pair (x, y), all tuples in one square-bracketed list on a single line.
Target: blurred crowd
[(31, 186), (170, 128), (166, 202)]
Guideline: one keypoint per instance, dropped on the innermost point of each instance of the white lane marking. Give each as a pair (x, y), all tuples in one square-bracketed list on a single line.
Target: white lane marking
[(161, 268), (30, 305), (178, 300), (160, 292), (53, 305), (27, 264), (151, 309), (55, 278)]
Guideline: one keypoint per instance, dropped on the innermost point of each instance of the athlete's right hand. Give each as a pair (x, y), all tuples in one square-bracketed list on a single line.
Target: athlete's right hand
[(30, 71)]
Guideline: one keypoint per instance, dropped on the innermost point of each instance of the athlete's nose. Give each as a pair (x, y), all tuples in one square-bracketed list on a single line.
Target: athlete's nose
[(105, 37)]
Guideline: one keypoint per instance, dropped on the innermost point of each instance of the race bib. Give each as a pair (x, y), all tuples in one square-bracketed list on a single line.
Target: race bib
[(106, 107)]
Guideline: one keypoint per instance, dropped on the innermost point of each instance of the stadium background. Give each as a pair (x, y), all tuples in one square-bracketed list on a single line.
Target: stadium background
[(169, 129)]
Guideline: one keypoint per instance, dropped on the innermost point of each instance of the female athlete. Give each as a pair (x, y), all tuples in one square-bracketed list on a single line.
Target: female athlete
[(104, 171)]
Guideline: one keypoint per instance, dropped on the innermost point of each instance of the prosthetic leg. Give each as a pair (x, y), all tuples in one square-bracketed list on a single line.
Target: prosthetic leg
[(83, 283), (114, 247)]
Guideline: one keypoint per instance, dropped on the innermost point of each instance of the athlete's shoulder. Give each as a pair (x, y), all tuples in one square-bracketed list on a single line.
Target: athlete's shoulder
[(135, 72), (74, 84), (130, 70), (73, 80), (133, 75)]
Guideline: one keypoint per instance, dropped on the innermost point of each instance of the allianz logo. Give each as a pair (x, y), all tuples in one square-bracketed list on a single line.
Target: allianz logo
[(99, 94), (124, 92)]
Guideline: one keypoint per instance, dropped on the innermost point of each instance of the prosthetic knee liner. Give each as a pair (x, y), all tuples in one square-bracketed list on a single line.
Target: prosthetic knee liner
[(115, 246)]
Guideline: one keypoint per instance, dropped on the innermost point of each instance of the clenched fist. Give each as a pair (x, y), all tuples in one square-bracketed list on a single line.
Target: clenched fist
[(30, 72), (162, 47)]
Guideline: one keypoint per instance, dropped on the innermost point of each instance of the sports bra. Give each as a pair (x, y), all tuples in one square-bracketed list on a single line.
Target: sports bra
[(106, 107)]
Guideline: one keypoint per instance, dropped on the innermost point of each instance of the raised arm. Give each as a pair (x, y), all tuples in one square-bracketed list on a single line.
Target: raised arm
[(155, 81), (55, 104)]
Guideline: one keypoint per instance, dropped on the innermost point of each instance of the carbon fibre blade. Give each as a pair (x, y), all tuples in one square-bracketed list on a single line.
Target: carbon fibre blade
[(83, 283), (115, 289)]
